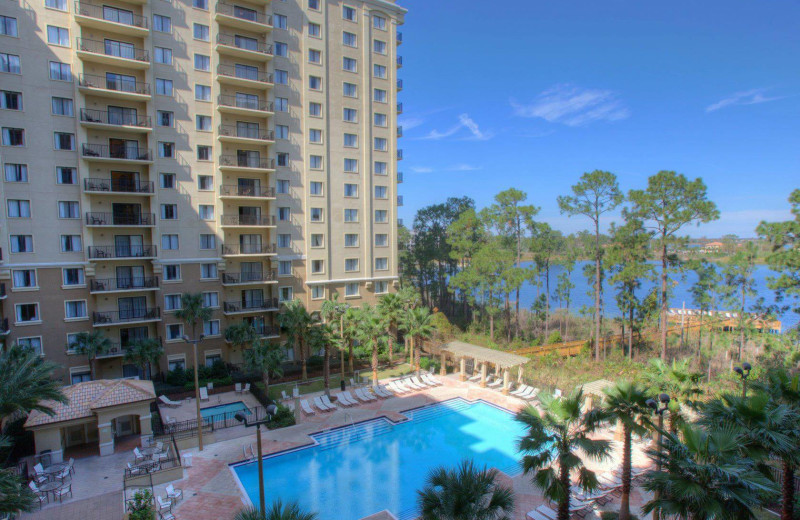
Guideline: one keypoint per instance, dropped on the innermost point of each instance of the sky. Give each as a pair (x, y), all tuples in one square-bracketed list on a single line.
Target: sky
[(531, 94)]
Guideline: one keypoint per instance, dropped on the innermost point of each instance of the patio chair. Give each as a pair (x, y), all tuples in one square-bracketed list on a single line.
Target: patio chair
[(166, 516), (64, 474), (346, 399), (61, 492), (322, 406), (71, 465), (138, 456), (41, 496), (475, 378), (210, 386), (135, 470), (203, 393), (535, 515), (162, 504), (39, 475), (404, 387), (284, 395), (168, 402), (411, 384), (246, 388), (170, 420), (327, 402), (396, 390), (366, 395), (547, 512), (306, 408), (237, 388), (174, 494)]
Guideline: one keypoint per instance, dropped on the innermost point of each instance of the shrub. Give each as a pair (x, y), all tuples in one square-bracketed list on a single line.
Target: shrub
[(283, 418), (178, 377), (141, 507), (554, 337), (315, 362)]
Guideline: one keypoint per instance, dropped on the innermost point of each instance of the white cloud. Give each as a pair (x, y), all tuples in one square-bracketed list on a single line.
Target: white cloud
[(749, 97), (421, 169), (409, 122), (464, 122), (460, 167), (571, 105)]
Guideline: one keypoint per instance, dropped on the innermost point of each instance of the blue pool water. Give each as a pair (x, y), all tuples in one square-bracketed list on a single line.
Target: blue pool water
[(228, 409), (359, 470)]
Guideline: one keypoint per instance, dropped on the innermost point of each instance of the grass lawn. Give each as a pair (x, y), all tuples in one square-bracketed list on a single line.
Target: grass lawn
[(316, 385)]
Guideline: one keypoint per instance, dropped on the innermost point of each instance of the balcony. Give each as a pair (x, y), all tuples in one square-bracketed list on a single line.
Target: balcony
[(103, 319), (399, 108), (114, 88), (234, 191), (236, 134), (105, 153), (122, 252), (4, 329), (399, 131), (399, 62), (114, 120), (249, 19), (233, 75), (233, 45), (112, 20), (400, 222), (3, 294), (245, 106), (242, 162), (248, 249), (399, 38), (99, 219), (399, 177), (249, 278), (399, 85), (267, 331), (118, 187), (113, 53), (123, 284), (399, 155), (248, 220), (399, 200), (242, 307)]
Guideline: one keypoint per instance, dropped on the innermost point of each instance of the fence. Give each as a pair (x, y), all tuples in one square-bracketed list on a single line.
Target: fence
[(183, 429)]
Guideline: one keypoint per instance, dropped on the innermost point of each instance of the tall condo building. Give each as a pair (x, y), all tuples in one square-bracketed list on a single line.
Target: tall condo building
[(243, 149)]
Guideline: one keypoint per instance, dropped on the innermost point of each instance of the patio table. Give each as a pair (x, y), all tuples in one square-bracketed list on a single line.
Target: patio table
[(51, 487), (149, 451), (54, 469)]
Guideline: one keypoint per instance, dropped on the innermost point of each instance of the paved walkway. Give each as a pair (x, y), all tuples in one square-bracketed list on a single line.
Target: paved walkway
[(102, 507)]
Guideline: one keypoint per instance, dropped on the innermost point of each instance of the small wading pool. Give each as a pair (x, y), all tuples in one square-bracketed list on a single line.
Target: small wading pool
[(228, 409)]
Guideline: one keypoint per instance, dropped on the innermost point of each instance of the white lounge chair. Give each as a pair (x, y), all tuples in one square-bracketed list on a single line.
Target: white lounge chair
[(497, 383), (547, 512), (381, 392), (400, 386), (237, 388), (246, 388), (284, 395), (419, 383), (394, 388), (363, 395), (306, 408), (170, 420), (535, 515), (168, 402), (322, 406), (327, 402), (295, 392), (521, 389), (174, 494), (346, 399), (210, 386), (431, 380), (475, 378), (203, 393), (412, 384)]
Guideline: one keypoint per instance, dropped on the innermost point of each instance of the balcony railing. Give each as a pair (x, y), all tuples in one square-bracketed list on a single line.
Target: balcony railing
[(399, 155), (399, 200), (246, 162), (248, 249), (399, 84), (267, 330), (243, 14), (89, 115), (117, 84), (264, 276), (244, 44), (113, 48), (94, 218), (255, 305), (246, 103), (246, 133), (399, 61), (111, 317), (122, 251), (234, 190), (399, 131), (232, 71), (110, 15), (103, 151), (248, 220), (134, 283), (399, 37), (399, 108), (117, 185), (399, 177)]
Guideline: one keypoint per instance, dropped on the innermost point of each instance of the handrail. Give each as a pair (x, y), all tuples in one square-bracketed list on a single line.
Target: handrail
[(131, 153), (245, 191), (152, 313), (235, 131), (232, 71), (246, 162), (269, 275), (241, 13), (89, 115), (116, 185), (230, 40), (99, 12), (122, 251), (234, 101), (119, 283), (113, 48), (119, 85), (248, 220), (240, 306), (248, 249), (100, 218)]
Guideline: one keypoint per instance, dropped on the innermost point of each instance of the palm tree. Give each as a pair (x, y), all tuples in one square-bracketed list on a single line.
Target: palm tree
[(418, 324), (679, 382), (296, 321), (391, 307), (144, 353), (705, 476), (410, 299), (351, 321), (370, 331), (465, 493), (319, 337), (555, 442), (333, 312), (626, 403), (278, 511), (91, 345), (265, 358), (241, 335)]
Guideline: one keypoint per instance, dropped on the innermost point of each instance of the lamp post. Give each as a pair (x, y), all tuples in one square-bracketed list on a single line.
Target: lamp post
[(744, 373), (659, 410), (242, 418), (194, 343)]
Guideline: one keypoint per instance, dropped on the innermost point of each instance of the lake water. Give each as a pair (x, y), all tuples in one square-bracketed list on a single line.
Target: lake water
[(681, 292)]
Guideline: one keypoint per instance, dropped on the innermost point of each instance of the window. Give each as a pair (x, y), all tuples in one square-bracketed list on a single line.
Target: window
[(282, 158), (9, 63), (351, 240), (203, 123), (351, 190), (166, 149), (206, 212), (165, 118), (317, 240), (285, 294), (351, 165), (284, 214), (381, 216), (317, 292), (58, 35), (282, 187), (281, 49), (381, 240), (281, 132), (11, 100), (58, 71), (211, 327), (75, 309), (18, 208), (61, 5), (315, 83), (71, 244), (349, 64), (208, 241), (381, 144), (64, 141), (285, 268), (203, 153), (208, 271), (169, 242), (24, 278), (381, 287), (169, 212), (380, 168), (381, 192), (172, 302), (317, 267), (172, 273), (284, 240), (79, 375), (162, 23), (66, 175), (314, 30), (379, 22), (34, 344), (379, 71), (349, 39), (379, 46), (379, 95), (73, 276), (280, 21), (350, 90), (13, 137), (163, 87), (62, 106), (202, 92), (314, 56), (16, 172), (316, 215), (351, 289), (21, 243), (315, 109), (315, 162), (8, 26), (281, 104), (313, 4), (163, 55), (213, 357), (348, 13), (68, 209), (27, 312), (315, 188), (179, 364), (350, 115), (351, 215), (174, 332), (281, 77), (205, 182), (350, 141), (167, 181), (200, 4), (381, 264), (351, 265), (202, 62), (315, 136), (380, 120), (200, 32)]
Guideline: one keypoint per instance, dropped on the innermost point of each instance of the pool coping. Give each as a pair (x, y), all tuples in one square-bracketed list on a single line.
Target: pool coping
[(225, 404)]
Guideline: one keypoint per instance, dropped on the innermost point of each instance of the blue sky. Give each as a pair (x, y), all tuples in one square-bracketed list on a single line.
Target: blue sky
[(531, 94)]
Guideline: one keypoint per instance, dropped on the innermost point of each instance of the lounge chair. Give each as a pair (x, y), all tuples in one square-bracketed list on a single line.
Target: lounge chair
[(431, 380), (163, 505), (363, 396), (547, 512), (475, 378), (210, 386), (306, 408), (327, 402), (557, 393), (418, 382), (346, 399), (403, 388), (380, 392), (41, 496), (408, 382), (203, 393), (394, 388), (170, 420), (237, 388), (246, 388), (322, 406), (295, 392), (497, 383), (174, 494), (61, 492), (168, 402), (284, 395), (521, 389)]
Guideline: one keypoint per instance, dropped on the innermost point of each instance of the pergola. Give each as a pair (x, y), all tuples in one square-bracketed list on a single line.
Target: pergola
[(460, 351)]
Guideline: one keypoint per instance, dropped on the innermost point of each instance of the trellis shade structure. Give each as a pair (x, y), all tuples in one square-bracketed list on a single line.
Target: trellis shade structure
[(459, 349)]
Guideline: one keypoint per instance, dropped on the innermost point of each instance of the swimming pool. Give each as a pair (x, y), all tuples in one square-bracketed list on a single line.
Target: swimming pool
[(229, 409), (358, 470)]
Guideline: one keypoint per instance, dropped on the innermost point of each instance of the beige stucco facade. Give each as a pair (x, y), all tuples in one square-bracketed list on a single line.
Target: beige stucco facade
[(243, 149)]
